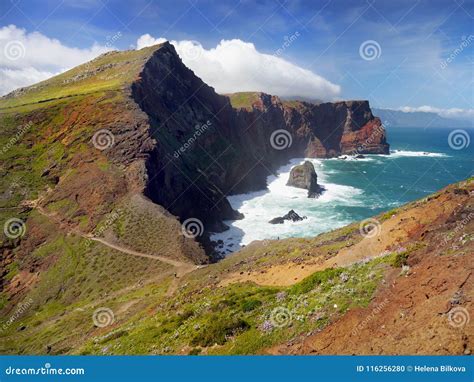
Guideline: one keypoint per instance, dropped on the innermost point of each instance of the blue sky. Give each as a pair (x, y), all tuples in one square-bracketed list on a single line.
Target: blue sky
[(423, 49)]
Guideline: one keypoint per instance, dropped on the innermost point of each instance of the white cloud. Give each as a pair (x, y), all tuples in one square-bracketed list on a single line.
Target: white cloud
[(12, 79), (235, 65), (447, 113), (26, 58)]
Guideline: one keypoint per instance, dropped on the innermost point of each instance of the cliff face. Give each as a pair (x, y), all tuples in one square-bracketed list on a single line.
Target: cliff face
[(204, 149), (168, 136)]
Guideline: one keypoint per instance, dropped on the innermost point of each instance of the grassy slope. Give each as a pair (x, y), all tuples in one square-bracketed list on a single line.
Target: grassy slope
[(243, 100), (45, 136), (110, 71), (54, 120), (46, 151), (82, 277), (208, 316)]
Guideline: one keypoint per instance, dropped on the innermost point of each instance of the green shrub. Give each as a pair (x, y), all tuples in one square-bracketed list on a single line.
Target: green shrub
[(217, 329), (249, 305), (195, 351), (310, 282), (400, 259)]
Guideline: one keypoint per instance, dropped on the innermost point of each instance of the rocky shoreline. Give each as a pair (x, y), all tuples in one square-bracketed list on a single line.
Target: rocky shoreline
[(244, 145)]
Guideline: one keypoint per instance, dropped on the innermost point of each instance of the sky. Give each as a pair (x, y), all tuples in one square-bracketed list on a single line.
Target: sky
[(407, 55)]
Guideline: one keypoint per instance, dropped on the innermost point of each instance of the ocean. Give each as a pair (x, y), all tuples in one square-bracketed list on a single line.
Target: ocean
[(421, 162)]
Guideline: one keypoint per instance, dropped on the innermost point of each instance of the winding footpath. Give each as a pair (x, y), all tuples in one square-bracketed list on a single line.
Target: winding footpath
[(182, 268)]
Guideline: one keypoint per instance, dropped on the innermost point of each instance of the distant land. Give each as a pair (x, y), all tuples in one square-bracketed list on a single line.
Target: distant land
[(398, 118)]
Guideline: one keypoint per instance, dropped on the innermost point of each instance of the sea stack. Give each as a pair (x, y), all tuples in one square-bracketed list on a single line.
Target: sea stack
[(304, 176)]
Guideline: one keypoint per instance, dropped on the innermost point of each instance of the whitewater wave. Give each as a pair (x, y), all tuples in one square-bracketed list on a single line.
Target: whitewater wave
[(336, 207), (350, 158), (406, 153), (259, 207)]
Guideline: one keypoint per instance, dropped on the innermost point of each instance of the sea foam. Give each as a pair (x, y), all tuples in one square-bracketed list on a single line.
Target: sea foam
[(405, 153), (261, 206)]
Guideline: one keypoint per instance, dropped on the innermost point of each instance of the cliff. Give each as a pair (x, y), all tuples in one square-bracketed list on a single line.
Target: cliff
[(166, 135), (205, 149)]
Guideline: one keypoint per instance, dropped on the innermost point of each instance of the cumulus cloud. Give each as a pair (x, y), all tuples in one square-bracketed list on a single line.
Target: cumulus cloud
[(236, 65), (26, 58), (447, 113)]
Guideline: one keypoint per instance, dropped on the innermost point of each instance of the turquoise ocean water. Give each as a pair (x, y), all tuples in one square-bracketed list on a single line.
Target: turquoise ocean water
[(421, 162)]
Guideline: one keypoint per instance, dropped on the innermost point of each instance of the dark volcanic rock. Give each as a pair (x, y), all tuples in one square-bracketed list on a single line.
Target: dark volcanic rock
[(291, 215), (198, 149), (304, 176)]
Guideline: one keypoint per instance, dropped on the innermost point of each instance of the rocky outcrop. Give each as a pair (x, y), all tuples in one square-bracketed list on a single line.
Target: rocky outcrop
[(290, 216), (204, 149), (304, 176)]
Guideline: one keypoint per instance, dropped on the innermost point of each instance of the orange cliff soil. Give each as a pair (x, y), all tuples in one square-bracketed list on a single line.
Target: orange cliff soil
[(426, 309)]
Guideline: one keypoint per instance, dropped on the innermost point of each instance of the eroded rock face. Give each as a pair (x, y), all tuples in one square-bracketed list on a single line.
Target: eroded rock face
[(304, 176), (234, 153), (175, 140)]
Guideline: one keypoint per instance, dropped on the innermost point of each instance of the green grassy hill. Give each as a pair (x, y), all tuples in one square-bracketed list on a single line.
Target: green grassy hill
[(237, 305)]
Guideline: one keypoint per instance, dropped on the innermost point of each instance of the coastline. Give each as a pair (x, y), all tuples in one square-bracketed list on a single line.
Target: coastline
[(356, 188)]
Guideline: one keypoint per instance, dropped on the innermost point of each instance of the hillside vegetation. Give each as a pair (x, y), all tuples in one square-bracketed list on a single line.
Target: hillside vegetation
[(94, 190), (278, 296)]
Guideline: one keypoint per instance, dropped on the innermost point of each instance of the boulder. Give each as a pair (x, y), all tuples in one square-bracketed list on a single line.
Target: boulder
[(291, 215), (304, 176)]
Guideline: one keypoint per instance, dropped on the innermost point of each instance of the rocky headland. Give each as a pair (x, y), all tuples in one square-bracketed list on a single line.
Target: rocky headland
[(175, 140)]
